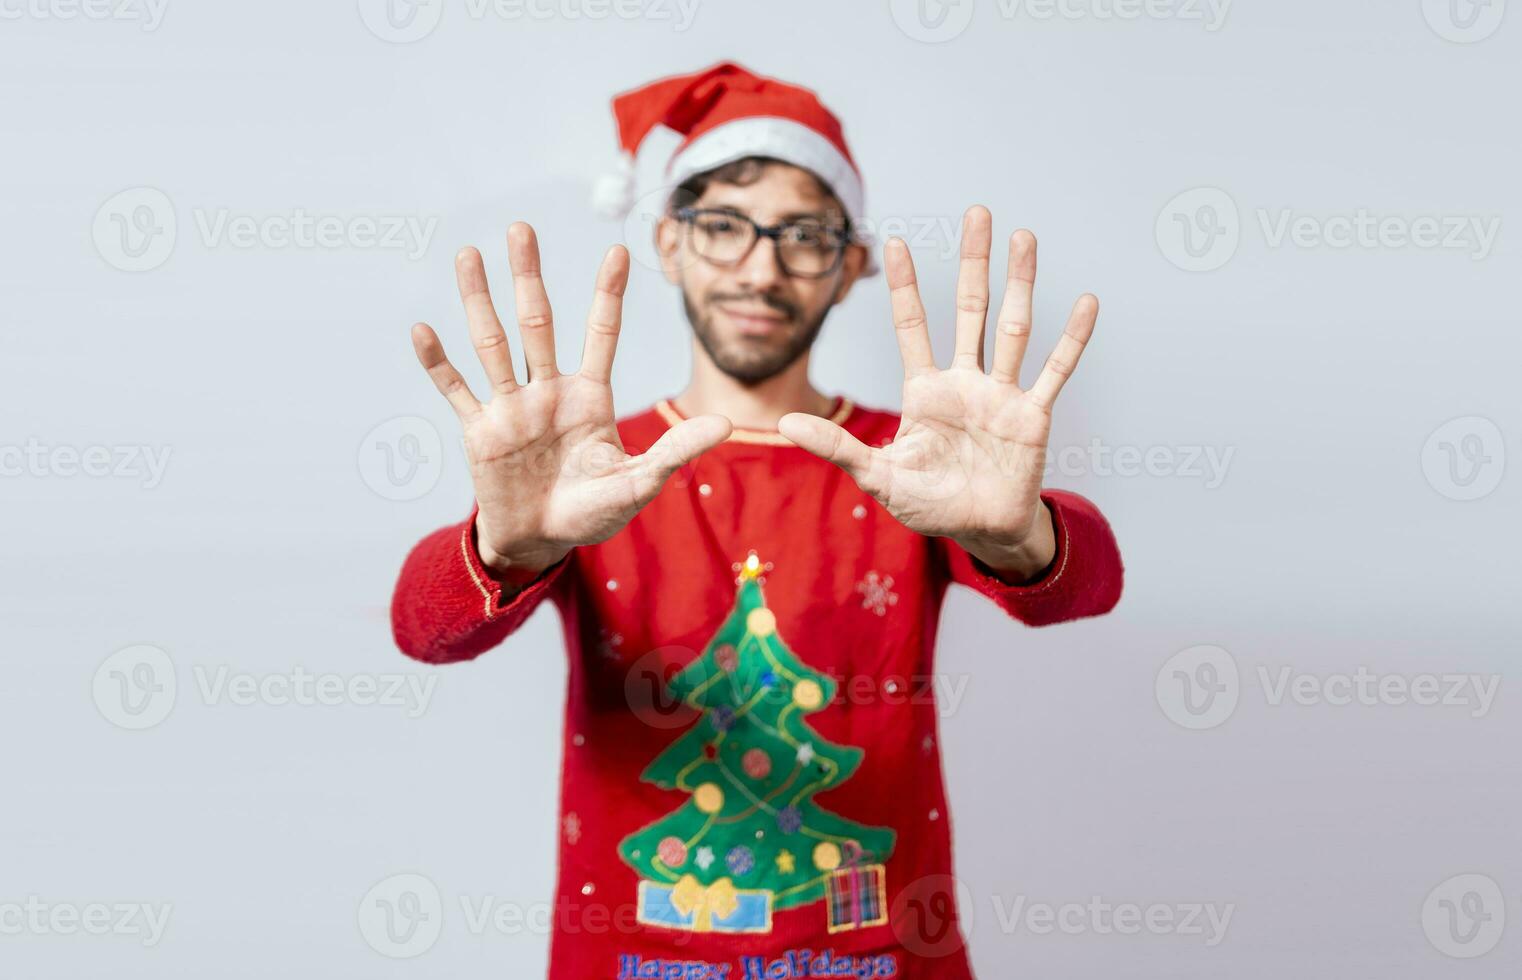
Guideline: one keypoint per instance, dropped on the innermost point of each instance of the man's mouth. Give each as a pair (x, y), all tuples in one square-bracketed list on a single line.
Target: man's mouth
[(754, 319)]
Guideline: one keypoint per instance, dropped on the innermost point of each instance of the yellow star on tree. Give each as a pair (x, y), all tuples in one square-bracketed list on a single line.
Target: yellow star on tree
[(785, 862)]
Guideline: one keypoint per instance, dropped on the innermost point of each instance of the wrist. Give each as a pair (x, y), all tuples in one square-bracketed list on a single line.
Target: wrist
[(1018, 558), (514, 561)]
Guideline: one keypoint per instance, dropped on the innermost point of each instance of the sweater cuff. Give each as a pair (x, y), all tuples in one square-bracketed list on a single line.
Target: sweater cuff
[(497, 598), (1084, 578), (987, 579)]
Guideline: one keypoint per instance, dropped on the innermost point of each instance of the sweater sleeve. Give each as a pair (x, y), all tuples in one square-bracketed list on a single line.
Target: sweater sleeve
[(1084, 578), (448, 608)]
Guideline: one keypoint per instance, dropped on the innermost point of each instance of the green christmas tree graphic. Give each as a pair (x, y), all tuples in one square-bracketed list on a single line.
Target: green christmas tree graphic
[(750, 840)]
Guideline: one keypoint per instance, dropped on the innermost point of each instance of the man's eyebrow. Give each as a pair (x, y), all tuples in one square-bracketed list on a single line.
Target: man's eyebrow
[(819, 216), (823, 217)]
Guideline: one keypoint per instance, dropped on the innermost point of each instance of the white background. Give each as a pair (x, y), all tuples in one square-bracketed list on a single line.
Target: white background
[(1328, 545)]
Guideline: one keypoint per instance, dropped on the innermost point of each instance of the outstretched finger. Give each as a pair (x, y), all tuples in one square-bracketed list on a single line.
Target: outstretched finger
[(430, 353), (972, 286), (909, 321), (1064, 360), (682, 443), (536, 322), (486, 331), (1013, 330), (607, 315), (832, 443)]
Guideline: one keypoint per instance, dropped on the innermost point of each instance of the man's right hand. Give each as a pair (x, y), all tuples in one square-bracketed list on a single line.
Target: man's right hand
[(549, 469)]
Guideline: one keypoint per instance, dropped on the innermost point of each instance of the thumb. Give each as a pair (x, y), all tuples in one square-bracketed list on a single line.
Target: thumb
[(682, 443), (829, 442)]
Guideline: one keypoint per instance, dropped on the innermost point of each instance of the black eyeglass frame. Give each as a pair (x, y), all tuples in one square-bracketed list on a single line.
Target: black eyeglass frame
[(688, 215)]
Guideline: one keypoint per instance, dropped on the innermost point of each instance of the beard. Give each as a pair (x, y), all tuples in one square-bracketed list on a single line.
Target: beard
[(752, 364)]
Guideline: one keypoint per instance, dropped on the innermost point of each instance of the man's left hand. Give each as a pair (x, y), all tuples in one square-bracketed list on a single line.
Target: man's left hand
[(968, 457)]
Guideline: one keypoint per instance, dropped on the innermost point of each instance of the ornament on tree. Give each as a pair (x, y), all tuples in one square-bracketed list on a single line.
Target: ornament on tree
[(673, 852), (757, 764), (751, 766)]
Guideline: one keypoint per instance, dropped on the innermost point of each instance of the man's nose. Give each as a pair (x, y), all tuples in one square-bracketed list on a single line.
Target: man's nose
[(762, 267)]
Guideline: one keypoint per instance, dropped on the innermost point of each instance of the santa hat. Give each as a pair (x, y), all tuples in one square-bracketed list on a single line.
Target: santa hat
[(723, 114)]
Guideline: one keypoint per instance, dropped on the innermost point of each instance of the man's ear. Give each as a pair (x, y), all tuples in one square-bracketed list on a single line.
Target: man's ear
[(851, 265), (668, 243)]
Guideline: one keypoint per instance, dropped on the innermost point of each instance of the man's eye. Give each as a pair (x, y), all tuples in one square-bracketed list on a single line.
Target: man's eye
[(718, 226), (811, 236)]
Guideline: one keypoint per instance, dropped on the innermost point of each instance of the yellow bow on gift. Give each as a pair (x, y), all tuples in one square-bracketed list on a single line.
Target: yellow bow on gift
[(704, 904)]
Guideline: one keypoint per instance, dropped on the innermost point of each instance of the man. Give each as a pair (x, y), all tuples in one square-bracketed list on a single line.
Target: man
[(760, 630)]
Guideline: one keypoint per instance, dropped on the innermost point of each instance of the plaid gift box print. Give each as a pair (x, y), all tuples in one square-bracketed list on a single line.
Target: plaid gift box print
[(858, 897)]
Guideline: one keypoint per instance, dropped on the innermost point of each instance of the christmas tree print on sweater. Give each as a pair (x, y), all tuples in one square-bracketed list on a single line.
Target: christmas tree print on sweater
[(750, 841)]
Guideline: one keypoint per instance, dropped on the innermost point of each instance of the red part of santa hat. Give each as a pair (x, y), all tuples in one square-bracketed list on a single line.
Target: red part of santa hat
[(725, 113)]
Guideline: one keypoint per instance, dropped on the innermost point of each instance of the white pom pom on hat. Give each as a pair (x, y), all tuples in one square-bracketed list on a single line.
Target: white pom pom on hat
[(613, 193)]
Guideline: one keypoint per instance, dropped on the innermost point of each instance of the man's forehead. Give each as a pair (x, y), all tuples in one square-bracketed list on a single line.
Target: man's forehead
[(782, 192)]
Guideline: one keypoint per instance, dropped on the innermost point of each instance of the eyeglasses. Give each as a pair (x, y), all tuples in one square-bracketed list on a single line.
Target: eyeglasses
[(807, 249)]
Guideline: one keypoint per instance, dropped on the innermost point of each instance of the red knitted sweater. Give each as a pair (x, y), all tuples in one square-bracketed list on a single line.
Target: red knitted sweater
[(751, 781)]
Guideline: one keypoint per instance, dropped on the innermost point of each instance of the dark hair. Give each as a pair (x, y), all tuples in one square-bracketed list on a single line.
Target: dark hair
[(742, 173)]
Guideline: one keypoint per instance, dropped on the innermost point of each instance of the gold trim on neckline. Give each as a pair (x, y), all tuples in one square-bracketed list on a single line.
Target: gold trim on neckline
[(671, 416)]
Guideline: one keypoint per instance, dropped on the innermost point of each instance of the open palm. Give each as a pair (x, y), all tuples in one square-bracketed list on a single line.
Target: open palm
[(968, 457), (549, 469)]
